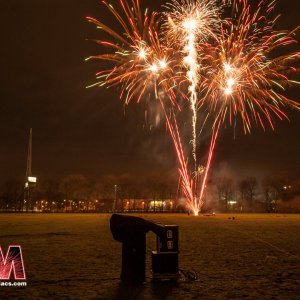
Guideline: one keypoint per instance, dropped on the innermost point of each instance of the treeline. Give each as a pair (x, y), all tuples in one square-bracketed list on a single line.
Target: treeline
[(77, 191), (224, 192), (276, 192)]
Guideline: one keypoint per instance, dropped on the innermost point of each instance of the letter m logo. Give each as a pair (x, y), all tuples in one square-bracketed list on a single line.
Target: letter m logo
[(13, 261)]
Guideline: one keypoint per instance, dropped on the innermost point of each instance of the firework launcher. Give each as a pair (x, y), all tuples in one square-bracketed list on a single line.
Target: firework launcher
[(131, 232)]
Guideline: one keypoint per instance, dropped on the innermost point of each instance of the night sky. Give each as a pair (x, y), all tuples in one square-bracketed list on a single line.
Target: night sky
[(88, 131)]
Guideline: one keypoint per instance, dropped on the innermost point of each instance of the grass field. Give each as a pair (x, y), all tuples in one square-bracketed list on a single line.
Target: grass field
[(73, 256)]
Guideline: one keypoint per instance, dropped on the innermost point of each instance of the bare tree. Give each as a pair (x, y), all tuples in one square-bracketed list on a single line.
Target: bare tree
[(248, 188), (74, 189), (225, 190), (49, 189), (12, 195), (278, 187)]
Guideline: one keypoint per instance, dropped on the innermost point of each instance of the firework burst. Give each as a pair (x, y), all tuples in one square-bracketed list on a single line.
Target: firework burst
[(247, 77), (226, 68), (138, 58)]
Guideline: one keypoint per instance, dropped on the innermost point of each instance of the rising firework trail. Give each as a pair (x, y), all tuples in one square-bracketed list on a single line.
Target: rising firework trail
[(189, 24), (226, 68)]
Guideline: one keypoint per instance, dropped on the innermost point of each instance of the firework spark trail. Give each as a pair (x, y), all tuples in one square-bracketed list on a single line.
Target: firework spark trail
[(190, 23), (191, 61), (215, 134), (187, 181)]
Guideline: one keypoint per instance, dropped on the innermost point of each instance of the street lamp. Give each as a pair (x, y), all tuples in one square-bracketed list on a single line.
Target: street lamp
[(115, 201)]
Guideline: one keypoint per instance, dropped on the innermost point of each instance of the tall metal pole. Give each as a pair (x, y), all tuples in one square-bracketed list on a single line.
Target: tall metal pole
[(27, 200), (29, 156)]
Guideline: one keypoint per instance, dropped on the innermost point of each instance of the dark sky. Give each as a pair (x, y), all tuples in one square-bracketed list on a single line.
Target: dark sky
[(78, 130)]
